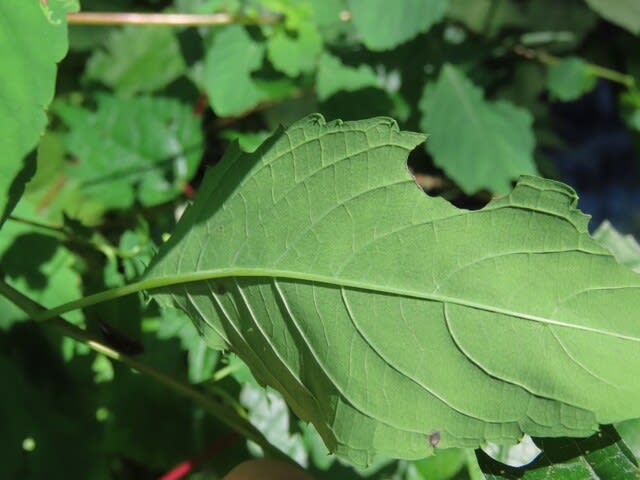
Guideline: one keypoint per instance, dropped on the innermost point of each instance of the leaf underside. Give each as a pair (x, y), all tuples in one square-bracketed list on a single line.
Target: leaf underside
[(383, 315)]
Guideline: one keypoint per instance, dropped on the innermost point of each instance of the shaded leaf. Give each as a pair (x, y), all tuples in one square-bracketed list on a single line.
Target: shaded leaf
[(33, 38), (602, 456), (624, 13), (49, 427), (630, 433), (402, 20), (230, 59), (569, 79), (479, 144), (137, 59), (145, 148), (37, 265), (388, 318), (486, 16)]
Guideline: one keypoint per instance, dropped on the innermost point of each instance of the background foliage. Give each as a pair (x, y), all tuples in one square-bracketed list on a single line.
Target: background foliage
[(505, 87)]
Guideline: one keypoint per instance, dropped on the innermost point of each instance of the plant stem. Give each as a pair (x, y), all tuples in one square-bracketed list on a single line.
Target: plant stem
[(167, 19), (597, 70), (223, 413)]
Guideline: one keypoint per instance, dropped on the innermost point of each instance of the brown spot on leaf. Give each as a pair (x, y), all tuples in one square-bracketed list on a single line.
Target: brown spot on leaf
[(434, 439)]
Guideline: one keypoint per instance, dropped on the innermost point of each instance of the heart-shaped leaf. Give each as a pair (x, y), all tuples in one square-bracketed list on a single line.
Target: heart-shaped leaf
[(396, 322)]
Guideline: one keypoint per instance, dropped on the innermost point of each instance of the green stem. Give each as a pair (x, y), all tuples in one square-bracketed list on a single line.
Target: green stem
[(597, 70), (223, 413)]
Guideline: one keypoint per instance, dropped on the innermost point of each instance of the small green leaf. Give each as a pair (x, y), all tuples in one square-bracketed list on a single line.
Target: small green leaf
[(144, 148), (231, 58), (137, 59), (569, 79), (33, 38), (479, 144), (624, 13), (334, 76), (397, 323), (384, 25)]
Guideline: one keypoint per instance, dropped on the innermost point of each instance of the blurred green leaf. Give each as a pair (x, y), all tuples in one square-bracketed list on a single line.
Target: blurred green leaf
[(624, 13), (569, 79), (479, 144), (230, 59), (443, 465), (33, 38), (334, 76), (296, 52), (384, 25), (137, 59), (144, 148)]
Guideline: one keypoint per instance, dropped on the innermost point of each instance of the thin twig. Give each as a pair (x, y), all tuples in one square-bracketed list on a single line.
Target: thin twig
[(222, 412), (597, 70), (168, 19)]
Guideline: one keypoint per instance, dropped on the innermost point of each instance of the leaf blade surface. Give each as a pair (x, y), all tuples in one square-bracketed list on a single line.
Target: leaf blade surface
[(383, 315)]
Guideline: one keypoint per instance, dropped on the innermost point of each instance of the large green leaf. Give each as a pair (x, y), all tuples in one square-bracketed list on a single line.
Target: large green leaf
[(33, 38), (479, 144), (396, 322), (383, 25), (625, 13), (145, 148)]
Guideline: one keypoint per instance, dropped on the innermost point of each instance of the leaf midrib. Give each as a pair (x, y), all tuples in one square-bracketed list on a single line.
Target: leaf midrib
[(179, 279)]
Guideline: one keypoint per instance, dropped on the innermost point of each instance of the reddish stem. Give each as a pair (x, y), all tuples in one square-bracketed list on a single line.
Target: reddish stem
[(184, 468)]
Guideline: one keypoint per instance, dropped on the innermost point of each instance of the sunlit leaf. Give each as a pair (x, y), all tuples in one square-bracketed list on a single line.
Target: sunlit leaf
[(33, 38)]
